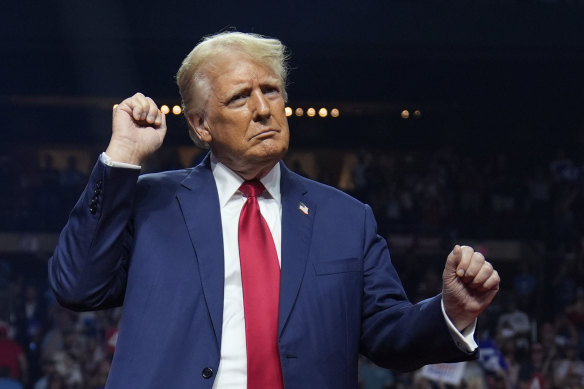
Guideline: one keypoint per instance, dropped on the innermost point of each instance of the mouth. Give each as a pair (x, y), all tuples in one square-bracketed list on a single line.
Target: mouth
[(268, 133)]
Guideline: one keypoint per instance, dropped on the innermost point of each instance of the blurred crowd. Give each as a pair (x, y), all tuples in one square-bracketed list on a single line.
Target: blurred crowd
[(499, 196), (38, 198), (532, 336)]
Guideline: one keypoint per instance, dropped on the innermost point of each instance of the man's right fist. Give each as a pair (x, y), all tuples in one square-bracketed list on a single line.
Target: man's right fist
[(138, 129)]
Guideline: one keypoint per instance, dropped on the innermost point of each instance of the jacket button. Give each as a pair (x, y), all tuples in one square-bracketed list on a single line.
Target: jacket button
[(207, 373)]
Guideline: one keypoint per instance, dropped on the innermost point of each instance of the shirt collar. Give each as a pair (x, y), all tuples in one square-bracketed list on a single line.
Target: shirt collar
[(228, 182)]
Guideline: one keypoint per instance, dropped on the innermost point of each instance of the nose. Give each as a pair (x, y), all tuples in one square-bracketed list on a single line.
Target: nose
[(261, 106)]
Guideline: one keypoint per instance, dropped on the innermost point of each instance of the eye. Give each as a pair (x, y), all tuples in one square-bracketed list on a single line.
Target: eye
[(269, 89), (239, 96)]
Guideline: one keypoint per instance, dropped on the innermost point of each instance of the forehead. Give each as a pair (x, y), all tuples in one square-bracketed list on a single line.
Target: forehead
[(233, 68)]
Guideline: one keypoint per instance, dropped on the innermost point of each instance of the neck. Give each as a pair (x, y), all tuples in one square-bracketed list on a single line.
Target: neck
[(248, 172), (253, 174)]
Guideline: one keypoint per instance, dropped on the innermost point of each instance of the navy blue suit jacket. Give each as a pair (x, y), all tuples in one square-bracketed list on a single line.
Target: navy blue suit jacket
[(154, 244)]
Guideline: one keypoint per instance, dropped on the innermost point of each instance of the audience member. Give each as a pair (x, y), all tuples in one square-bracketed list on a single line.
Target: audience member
[(12, 357)]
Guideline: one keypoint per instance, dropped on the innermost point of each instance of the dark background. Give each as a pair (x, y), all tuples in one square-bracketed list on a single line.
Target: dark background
[(500, 88), (485, 74)]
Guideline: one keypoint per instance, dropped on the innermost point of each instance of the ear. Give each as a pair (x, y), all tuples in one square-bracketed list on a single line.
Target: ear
[(200, 126)]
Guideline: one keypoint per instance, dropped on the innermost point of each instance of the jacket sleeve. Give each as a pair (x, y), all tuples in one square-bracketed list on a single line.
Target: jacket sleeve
[(395, 333), (89, 267)]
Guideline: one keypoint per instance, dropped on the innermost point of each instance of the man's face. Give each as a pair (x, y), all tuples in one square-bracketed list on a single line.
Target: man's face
[(245, 123)]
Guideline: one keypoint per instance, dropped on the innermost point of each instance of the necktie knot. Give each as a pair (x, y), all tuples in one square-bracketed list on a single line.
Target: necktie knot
[(252, 188)]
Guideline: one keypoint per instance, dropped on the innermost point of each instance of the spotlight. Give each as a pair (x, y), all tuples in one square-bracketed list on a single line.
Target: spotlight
[(164, 109), (299, 111), (288, 111), (115, 106), (311, 112), (322, 112), (176, 110), (405, 114), (335, 112)]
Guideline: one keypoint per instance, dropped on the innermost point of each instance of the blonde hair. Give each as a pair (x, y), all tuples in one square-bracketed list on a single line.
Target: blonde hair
[(191, 79)]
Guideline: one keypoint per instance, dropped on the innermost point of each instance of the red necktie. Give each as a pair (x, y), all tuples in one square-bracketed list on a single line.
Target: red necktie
[(260, 275)]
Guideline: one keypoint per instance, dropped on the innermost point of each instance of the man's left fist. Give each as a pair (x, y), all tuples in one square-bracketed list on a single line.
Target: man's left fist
[(469, 284)]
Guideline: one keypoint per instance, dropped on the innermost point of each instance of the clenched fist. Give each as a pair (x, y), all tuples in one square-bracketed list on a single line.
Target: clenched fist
[(138, 129), (469, 284)]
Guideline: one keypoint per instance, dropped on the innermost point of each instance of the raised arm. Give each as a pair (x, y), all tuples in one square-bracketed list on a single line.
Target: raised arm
[(89, 267)]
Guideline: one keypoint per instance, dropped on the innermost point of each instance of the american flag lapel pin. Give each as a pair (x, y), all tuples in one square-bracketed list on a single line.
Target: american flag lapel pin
[(303, 208)]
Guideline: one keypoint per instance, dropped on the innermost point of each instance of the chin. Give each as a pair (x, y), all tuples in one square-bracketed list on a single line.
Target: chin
[(272, 150)]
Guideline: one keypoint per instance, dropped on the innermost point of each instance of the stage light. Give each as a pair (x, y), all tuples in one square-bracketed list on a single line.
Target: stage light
[(164, 109), (176, 110), (335, 112), (115, 106), (299, 111), (417, 113), (288, 111), (311, 112), (322, 112), (405, 114)]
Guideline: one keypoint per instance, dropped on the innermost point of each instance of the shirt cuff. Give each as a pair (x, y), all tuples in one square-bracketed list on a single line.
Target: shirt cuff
[(105, 159), (464, 340)]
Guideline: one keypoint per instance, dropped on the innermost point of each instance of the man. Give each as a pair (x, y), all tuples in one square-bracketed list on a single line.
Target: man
[(176, 249)]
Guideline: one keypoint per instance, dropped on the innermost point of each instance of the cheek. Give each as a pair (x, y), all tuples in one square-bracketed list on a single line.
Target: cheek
[(233, 119), (285, 130), (280, 115), (232, 126)]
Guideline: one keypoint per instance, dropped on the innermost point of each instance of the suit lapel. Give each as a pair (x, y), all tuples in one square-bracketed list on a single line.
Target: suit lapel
[(297, 220), (199, 203)]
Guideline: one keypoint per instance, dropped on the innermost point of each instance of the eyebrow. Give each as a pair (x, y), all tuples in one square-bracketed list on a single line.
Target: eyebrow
[(244, 86), (239, 89)]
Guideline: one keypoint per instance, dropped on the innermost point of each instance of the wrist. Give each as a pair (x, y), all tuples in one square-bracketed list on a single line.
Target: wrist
[(460, 321), (123, 153), (458, 316)]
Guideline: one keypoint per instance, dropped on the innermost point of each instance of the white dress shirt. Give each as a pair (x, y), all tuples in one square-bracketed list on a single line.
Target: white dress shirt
[(232, 373)]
